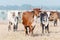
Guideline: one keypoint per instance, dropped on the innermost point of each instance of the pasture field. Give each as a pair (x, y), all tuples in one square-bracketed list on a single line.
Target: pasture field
[(20, 35)]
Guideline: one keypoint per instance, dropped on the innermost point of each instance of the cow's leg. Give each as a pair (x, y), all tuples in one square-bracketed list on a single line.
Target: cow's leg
[(47, 28), (17, 26), (30, 30), (26, 31), (14, 27), (55, 23), (33, 28), (42, 29), (9, 26)]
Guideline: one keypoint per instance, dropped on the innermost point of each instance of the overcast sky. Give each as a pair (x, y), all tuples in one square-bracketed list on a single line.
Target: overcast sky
[(31, 2)]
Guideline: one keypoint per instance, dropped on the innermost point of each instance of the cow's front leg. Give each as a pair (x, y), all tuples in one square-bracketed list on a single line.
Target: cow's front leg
[(26, 31), (42, 29)]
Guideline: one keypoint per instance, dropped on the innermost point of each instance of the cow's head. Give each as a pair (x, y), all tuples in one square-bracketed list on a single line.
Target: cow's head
[(36, 11), (53, 15)]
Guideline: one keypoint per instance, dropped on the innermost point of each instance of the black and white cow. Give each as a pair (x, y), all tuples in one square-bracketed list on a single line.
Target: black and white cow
[(44, 18)]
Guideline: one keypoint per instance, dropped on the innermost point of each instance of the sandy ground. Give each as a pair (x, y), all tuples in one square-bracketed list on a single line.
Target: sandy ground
[(20, 34)]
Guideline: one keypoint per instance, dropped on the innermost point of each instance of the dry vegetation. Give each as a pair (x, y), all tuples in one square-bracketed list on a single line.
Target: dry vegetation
[(20, 35)]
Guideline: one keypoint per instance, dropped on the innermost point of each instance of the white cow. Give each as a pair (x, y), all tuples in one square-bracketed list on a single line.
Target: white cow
[(13, 20)]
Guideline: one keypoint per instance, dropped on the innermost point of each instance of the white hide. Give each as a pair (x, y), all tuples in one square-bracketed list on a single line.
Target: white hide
[(12, 19), (34, 21)]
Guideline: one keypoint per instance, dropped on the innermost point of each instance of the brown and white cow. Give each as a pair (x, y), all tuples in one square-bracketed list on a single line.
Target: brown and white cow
[(54, 17), (29, 19)]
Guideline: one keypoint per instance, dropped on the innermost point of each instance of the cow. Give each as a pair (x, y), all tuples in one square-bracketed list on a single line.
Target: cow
[(29, 20), (13, 20), (54, 17), (44, 18)]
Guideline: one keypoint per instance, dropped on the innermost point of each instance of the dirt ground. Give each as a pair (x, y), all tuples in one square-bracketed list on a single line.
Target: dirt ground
[(20, 34)]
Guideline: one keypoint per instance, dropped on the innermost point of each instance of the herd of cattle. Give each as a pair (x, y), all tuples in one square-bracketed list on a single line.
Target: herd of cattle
[(29, 19)]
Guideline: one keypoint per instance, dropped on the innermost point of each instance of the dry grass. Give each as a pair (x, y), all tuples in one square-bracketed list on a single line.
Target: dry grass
[(20, 35)]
